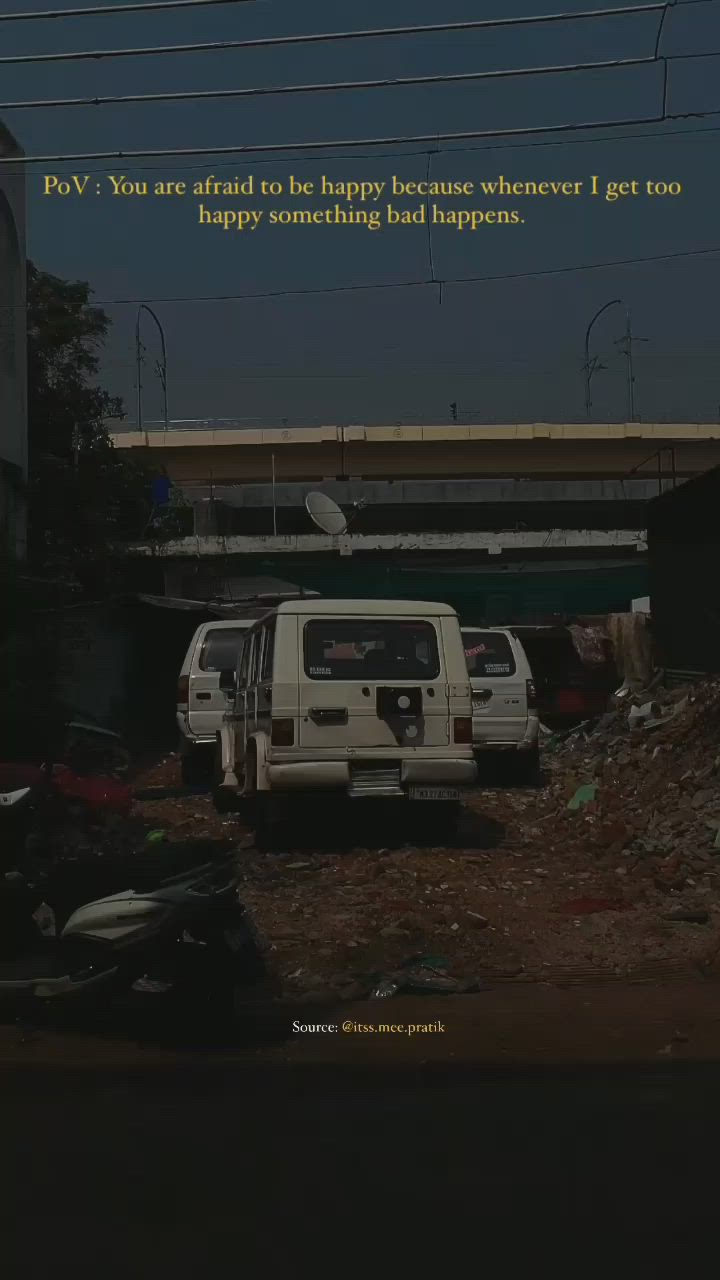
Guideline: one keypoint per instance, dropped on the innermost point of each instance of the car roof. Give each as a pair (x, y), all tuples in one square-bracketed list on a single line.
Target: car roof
[(227, 622), (503, 631), (412, 608)]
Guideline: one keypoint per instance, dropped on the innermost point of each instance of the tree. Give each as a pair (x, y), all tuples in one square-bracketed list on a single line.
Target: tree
[(83, 497)]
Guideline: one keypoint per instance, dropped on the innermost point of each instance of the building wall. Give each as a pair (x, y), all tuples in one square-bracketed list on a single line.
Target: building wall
[(683, 554), (13, 336), (523, 593)]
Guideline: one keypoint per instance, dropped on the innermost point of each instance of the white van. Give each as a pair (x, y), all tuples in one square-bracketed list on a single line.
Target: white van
[(200, 700), (362, 698), (505, 714)]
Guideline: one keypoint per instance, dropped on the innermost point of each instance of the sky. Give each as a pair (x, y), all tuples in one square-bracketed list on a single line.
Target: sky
[(503, 350)]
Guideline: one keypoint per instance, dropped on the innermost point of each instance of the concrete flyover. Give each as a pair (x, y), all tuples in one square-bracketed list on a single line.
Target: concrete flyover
[(549, 450)]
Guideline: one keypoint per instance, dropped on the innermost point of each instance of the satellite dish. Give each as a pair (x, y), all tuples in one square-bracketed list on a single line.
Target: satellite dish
[(325, 513)]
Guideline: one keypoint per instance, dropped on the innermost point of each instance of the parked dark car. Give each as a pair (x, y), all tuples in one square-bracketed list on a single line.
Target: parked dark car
[(569, 690)]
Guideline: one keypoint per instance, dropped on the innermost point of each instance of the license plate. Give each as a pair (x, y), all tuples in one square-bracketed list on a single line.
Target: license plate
[(434, 793)]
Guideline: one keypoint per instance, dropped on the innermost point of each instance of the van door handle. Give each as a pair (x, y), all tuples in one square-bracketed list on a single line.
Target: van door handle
[(202, 697), (481, 696), (329, 715)]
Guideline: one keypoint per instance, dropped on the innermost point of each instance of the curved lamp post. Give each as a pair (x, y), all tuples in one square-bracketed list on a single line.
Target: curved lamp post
[(590, 368), (161, 365)]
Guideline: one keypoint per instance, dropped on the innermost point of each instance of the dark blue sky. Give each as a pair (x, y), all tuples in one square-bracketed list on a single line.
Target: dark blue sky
[(506, 350)]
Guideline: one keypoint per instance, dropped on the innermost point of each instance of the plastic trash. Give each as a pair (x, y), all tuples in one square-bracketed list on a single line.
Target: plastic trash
[(640, 715), (156, 837), (421, 974), (426, 962), (384, 990), (584, 795), (424, 982)]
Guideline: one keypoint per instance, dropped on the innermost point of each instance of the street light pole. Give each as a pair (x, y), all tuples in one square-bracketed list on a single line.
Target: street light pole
[(590, 368), (138, 359), (630, 375), (628, 341), (161, 364)]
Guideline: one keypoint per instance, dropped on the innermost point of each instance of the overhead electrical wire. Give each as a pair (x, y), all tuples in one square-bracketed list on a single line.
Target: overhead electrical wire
[(103, 9), (400, 284), (265, 42), (393, 82), (656, 136), (327, 144)]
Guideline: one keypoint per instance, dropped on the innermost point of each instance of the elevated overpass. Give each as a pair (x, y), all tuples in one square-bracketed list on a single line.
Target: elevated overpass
[(196, 459), (518, 522)]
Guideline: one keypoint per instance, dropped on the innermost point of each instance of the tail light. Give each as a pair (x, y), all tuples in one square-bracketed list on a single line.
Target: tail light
[(282, 733), (462, 731), (183, 689), (532, 698)]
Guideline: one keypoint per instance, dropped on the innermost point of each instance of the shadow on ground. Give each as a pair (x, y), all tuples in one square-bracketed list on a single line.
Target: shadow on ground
[(347, 827)]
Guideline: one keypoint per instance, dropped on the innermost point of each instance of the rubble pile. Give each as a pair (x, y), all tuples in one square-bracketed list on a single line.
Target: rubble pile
[(645, 785)]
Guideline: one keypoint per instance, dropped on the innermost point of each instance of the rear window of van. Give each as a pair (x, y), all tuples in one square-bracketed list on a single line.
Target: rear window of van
[(370, 649), (488, 654), (220, 649)]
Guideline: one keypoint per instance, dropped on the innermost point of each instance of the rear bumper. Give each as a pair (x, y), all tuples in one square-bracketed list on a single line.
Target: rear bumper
[(525, 743), (189, 741), (335, 775)]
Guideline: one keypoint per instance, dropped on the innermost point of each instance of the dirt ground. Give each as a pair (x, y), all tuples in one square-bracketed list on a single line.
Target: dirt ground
[(532, 890)]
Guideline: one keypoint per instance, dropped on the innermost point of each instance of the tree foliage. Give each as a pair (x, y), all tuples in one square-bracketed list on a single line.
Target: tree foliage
[(84, 498)]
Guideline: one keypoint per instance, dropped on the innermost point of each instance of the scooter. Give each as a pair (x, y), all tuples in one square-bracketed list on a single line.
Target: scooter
[(189, 935)]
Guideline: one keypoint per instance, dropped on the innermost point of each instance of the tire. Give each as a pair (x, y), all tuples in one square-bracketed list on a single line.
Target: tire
[(264, 823), (196, 767), (224, 800), (526, 767)]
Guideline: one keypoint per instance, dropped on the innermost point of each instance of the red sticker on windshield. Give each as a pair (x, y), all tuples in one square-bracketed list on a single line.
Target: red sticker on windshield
[(473, 653)]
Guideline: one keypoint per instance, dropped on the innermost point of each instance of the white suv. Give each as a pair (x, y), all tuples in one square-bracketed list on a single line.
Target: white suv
[(505, 714), (356, 698), (200, 700)]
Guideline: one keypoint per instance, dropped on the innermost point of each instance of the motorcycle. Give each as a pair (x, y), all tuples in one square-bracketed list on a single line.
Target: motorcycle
[(186, 936)]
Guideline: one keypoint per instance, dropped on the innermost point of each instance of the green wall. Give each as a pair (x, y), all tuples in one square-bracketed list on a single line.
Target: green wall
[(478, 595)]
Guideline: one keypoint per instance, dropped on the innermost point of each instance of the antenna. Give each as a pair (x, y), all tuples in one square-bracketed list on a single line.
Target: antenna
[(325, 513)]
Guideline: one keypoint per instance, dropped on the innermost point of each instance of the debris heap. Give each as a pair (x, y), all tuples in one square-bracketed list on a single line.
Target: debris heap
[(645, 784)]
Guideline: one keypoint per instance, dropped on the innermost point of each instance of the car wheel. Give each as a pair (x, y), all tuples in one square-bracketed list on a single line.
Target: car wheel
[(265, 823), (526, 767), (195, 768), (224, 800)]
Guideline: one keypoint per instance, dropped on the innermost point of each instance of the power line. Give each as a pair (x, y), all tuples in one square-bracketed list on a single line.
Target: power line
[(656, 136), (401, 284), (264, 42), (255, 149), (101, 10), (324, 87)]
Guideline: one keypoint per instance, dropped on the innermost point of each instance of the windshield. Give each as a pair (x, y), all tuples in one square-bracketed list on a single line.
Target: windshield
[(221, 648), (366, 649), (488, 653)]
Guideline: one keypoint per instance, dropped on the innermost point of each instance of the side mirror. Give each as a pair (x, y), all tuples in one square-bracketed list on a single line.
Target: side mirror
[(227, 682)]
